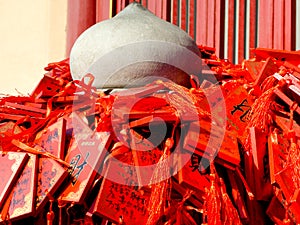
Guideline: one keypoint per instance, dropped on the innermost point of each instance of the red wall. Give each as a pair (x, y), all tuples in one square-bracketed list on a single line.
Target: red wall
[(231, 26)]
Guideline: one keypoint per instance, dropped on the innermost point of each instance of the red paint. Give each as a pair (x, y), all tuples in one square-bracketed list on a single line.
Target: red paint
[(152, 6), (118, 5), (192, 18), (272, 22), (175, 12), (241, 33), (81, 15), (219, 27), (211, 17), (202, 22), (231, 37), (289, 42), (102, 10), (253, 27), (266, 20), (158, 8), (278, 24), (183, 15), (166, 10)]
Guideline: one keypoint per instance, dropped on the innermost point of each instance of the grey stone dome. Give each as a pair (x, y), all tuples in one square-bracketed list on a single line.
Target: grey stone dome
[(134, 45)]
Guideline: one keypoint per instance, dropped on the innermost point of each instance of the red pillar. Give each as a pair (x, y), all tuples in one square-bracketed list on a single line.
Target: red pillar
[(81, 15), (103, 8)]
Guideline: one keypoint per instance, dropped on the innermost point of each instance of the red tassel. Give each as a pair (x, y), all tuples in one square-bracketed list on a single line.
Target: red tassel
[(159, 194), (50, 214)]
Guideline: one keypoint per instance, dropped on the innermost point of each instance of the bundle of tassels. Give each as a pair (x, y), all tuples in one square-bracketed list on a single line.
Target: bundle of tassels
[(218, 208)]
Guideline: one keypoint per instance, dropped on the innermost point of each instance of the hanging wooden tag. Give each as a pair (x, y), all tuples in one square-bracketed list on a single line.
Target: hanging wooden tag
[(276, 211), (253, 68), (277, 150), (50, 176), (85, 155), (47, 87), (8, 129), (118, 201), (22, 201), (225, 153), (11, 166), (238, 105), (261, 172), (52, 139), (192, 174)]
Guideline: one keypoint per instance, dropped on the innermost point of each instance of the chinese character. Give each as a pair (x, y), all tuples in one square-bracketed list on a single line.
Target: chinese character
[(199, 164), (243, 107), (77, 168)]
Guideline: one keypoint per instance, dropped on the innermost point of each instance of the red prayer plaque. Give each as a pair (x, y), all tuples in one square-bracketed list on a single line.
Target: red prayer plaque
[(276, 211), (50, 176), (284, 124), (253, 67), (238, 105), (277, 151), (294, 206), (9, 128), (285, 181), (22, 203), (282, 174), (225, 153), (47, 87), (86, 153), (52, 139), (76, 122), (117, 200), (6, 130), (263, 187), (145, 157), (11, 165), (190, 174)]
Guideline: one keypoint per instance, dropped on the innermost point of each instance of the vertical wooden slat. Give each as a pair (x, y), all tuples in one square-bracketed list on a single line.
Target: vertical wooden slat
[(253, 24), (202, 23), (124, 3), (187, 15), (183, 15), (236, 31), (241, 33), (158, 8), (297, 30), (152, 6), (191, 18), (144, 3), (247, 28), (211, 18), (289, 41), (81, 15), (118, 6), (266, 12), (175, 19), (297, 25), (195, 20), (166, 10), (278, 29), (231, 30), (102, 10), (222, 29), (219, 27), (226, 9)]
